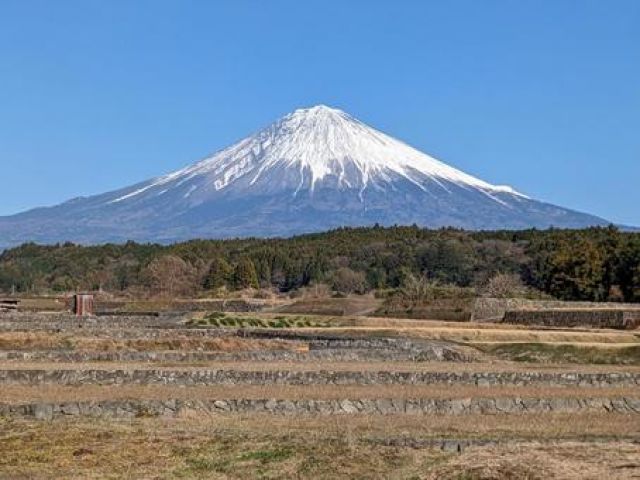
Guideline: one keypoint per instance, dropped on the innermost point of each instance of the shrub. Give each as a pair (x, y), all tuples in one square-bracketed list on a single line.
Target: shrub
[(346, 281)]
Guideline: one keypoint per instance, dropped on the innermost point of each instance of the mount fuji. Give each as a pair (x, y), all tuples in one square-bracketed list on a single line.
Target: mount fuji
[(314, 169)]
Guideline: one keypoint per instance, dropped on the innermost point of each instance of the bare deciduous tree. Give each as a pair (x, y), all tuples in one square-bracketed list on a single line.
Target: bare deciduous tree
[(419, 290), (170, 275), (347, 281), (505, 285)]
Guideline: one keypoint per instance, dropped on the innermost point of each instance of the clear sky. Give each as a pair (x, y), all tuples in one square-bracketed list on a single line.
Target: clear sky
[(540, 95)]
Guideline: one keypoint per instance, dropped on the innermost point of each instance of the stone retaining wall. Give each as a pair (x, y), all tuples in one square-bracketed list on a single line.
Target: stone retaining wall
[(618, 319), (336, 355), (383, 348), (125, 332), (64, 321), (315, 377), (422, 406), (494, 309), (420, 349), (327, 340), (219, 305)]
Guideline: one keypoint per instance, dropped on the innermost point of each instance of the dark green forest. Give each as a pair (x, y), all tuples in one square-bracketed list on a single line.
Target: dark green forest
[(597, 264)]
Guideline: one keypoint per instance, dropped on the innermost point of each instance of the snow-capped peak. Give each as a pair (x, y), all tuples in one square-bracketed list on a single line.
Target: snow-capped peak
[(314, 144), (314, 169)]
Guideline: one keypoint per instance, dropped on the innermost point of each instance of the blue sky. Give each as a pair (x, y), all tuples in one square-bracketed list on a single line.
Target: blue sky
[(540, 95)]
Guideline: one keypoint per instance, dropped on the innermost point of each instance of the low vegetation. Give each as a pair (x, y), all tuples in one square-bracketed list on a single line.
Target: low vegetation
[(564, 353), (90, 392), (29, 341), (317, 448), (223, 320)]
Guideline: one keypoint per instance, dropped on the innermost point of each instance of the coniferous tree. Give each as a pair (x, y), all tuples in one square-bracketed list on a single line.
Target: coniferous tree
[(244, 275), (218, 275), (587, 264)]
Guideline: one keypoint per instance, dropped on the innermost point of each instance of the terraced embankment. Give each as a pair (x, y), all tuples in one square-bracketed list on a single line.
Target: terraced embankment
[(80, 376), (401, 391)]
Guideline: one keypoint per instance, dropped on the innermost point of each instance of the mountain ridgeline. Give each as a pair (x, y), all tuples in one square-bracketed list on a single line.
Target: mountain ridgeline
[(313, 170), (589, 264)]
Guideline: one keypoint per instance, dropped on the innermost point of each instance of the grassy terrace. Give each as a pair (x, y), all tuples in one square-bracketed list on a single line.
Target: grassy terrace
[(196, 444), (19, 393), (608, 354), (489, 366), (103, 342), (257, 446)]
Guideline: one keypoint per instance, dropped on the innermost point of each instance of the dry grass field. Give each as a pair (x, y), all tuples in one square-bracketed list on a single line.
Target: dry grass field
[(497, 365), (84, 342), (63, 393), (588, 444), (239, 447)]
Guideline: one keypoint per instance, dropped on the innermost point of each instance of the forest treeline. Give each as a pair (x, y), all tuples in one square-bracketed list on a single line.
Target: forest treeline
[(598, 264)]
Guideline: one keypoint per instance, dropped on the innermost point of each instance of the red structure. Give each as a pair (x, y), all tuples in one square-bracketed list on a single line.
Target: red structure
[(83, 304)]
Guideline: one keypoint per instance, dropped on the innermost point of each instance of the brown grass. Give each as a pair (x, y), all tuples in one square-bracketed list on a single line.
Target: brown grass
[(589, 353), (234, 447), (317, 447), (460, 331), (494, 366), (499, 427), (82, 342), (464, 335), (352, 305), (535, 461), (38, 304), (60, 393)]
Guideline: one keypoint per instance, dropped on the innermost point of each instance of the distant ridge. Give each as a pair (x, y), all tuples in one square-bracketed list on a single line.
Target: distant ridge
[(314, 169)]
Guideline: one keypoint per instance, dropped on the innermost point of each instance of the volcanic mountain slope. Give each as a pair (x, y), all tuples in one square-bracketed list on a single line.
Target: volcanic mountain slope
[(314, 169)]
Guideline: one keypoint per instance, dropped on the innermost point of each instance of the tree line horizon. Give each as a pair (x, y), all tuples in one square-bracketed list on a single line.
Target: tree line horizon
[(593, 264)]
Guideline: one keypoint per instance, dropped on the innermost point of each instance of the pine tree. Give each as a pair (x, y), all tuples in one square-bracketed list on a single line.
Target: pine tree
[(245, 275), (218, 275)]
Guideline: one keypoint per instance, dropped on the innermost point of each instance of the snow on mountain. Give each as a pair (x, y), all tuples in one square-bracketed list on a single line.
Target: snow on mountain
[(314, 169), (319, 142)]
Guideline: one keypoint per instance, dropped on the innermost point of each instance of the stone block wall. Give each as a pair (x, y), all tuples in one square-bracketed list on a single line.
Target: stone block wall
[(380, 406), (595, 318), (312, 377), (494, 309)]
